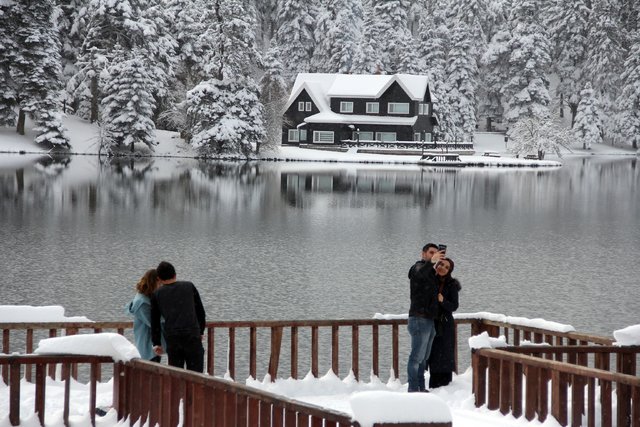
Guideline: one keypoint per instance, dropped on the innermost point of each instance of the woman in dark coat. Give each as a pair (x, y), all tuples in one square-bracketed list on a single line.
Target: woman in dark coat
[(441, 363)]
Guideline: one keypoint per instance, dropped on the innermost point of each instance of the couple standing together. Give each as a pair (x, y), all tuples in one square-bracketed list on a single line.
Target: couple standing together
[(434, 298), (168, 316)]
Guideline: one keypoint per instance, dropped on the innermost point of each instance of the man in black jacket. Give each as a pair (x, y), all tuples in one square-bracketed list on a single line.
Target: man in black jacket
[(424, 306), (178, 302)]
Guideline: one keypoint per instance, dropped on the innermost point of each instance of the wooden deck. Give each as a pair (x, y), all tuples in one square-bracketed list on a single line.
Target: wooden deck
[(514, 380)]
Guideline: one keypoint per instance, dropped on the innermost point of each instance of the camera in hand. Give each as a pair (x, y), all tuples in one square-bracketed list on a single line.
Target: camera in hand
[(442, 248)]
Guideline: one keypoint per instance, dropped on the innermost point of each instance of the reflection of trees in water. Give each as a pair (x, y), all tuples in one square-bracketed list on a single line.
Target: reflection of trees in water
[(55, 164), (129, 167)]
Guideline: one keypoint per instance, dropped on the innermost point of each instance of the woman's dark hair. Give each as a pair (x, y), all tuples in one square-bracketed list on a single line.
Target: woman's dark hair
[(166, 271), (148, 283)]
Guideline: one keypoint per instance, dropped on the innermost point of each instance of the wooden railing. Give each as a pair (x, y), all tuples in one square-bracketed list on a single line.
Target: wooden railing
[(503, 378), (230, 344), (17, 366), (207, 401)]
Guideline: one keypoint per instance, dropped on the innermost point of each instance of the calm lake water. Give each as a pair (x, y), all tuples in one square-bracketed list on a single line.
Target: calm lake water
[(323, 240)]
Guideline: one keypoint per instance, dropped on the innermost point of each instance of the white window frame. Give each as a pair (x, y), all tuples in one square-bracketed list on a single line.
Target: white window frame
[(307, 106), (416, 136), (294, 135), (322, 136), (300, 105), (423, 109), (392, 106), (373, 107), (379, 136), (302, 136), (363, 136), (346, 107)]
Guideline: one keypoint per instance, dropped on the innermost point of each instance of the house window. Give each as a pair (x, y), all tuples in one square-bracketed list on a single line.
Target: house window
[(416, 136), (398, 108), (346, 107), (303, 134), (294, 135), (373, 107), (364, 136), (320, 137), (301, 106), (423, 109), (307, 106), (386, 136), (427, 137)]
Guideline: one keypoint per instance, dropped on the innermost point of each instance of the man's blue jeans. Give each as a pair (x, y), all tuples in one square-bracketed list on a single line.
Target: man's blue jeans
[(422, 333)]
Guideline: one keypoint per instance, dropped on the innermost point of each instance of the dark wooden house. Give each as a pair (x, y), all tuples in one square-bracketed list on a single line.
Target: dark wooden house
[(332, 108)]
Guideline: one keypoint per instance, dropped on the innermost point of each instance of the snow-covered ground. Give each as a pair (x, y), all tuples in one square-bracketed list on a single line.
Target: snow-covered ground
[(84, 140), (366, 401)]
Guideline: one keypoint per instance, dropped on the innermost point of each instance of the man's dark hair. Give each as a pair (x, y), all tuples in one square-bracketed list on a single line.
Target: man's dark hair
[(429, 245), (166, 271)]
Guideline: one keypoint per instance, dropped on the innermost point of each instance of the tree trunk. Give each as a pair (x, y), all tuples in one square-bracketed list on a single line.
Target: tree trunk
[(561, 105), (488, 124), (540, 155), (94, 99), (22, 117), (574, 111)]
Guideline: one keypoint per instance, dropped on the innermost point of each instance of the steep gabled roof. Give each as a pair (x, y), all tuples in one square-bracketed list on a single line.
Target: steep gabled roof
[(321, 86)]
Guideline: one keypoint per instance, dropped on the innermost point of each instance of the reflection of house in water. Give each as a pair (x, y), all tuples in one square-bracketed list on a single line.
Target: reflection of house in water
[(346, 182)]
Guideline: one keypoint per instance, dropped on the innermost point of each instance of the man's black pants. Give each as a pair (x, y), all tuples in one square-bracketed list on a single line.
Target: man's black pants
[(185, 350)]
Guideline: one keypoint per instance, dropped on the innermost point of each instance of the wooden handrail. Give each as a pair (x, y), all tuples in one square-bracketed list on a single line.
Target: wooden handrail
[(499, 375), (210, 400), (16, 363)]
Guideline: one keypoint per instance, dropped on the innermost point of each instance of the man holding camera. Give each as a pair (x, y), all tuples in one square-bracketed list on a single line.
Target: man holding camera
[(423, 309)]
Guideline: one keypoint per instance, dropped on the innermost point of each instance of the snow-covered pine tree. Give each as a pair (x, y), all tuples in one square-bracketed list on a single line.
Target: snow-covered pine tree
[(9, 52), (273, 95), (366, 60), (346, 33), (127, 108), (391, 32), (525, 92), (462, 74), (37, 71), (295, 36), (588, 125), (568, 25), (337, 35), (494, 73), (628, 118), (224, 112), (606, 54)]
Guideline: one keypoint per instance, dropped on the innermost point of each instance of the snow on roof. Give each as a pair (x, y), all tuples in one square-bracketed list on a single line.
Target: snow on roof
[(331, 117), (322, 86)]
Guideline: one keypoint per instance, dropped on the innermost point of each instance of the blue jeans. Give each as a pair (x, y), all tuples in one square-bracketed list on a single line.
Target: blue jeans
[(422, 333)]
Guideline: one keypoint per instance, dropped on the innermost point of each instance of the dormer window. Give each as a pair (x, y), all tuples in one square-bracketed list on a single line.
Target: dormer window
[(307, 106), (346, 107), (398, 108), (301, 106)]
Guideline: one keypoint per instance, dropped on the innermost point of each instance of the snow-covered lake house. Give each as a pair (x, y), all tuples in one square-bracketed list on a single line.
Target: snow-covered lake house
[(333, 108)]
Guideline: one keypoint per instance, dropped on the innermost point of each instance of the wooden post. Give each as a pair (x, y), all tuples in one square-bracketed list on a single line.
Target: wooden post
[(335, 350), (41, 384), (14, 393), (314, 351), (211, 357), (479, 364), (559, 397), (396, 350), (274, 359), (531, 392), (506, 380), (494, 384), (516, 398), (374, 349), (294, 352), (253, 348), (355, 350), (232, 353)]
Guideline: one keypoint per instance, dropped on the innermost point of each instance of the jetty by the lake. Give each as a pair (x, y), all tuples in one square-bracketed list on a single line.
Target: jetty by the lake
[(576, 378)]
